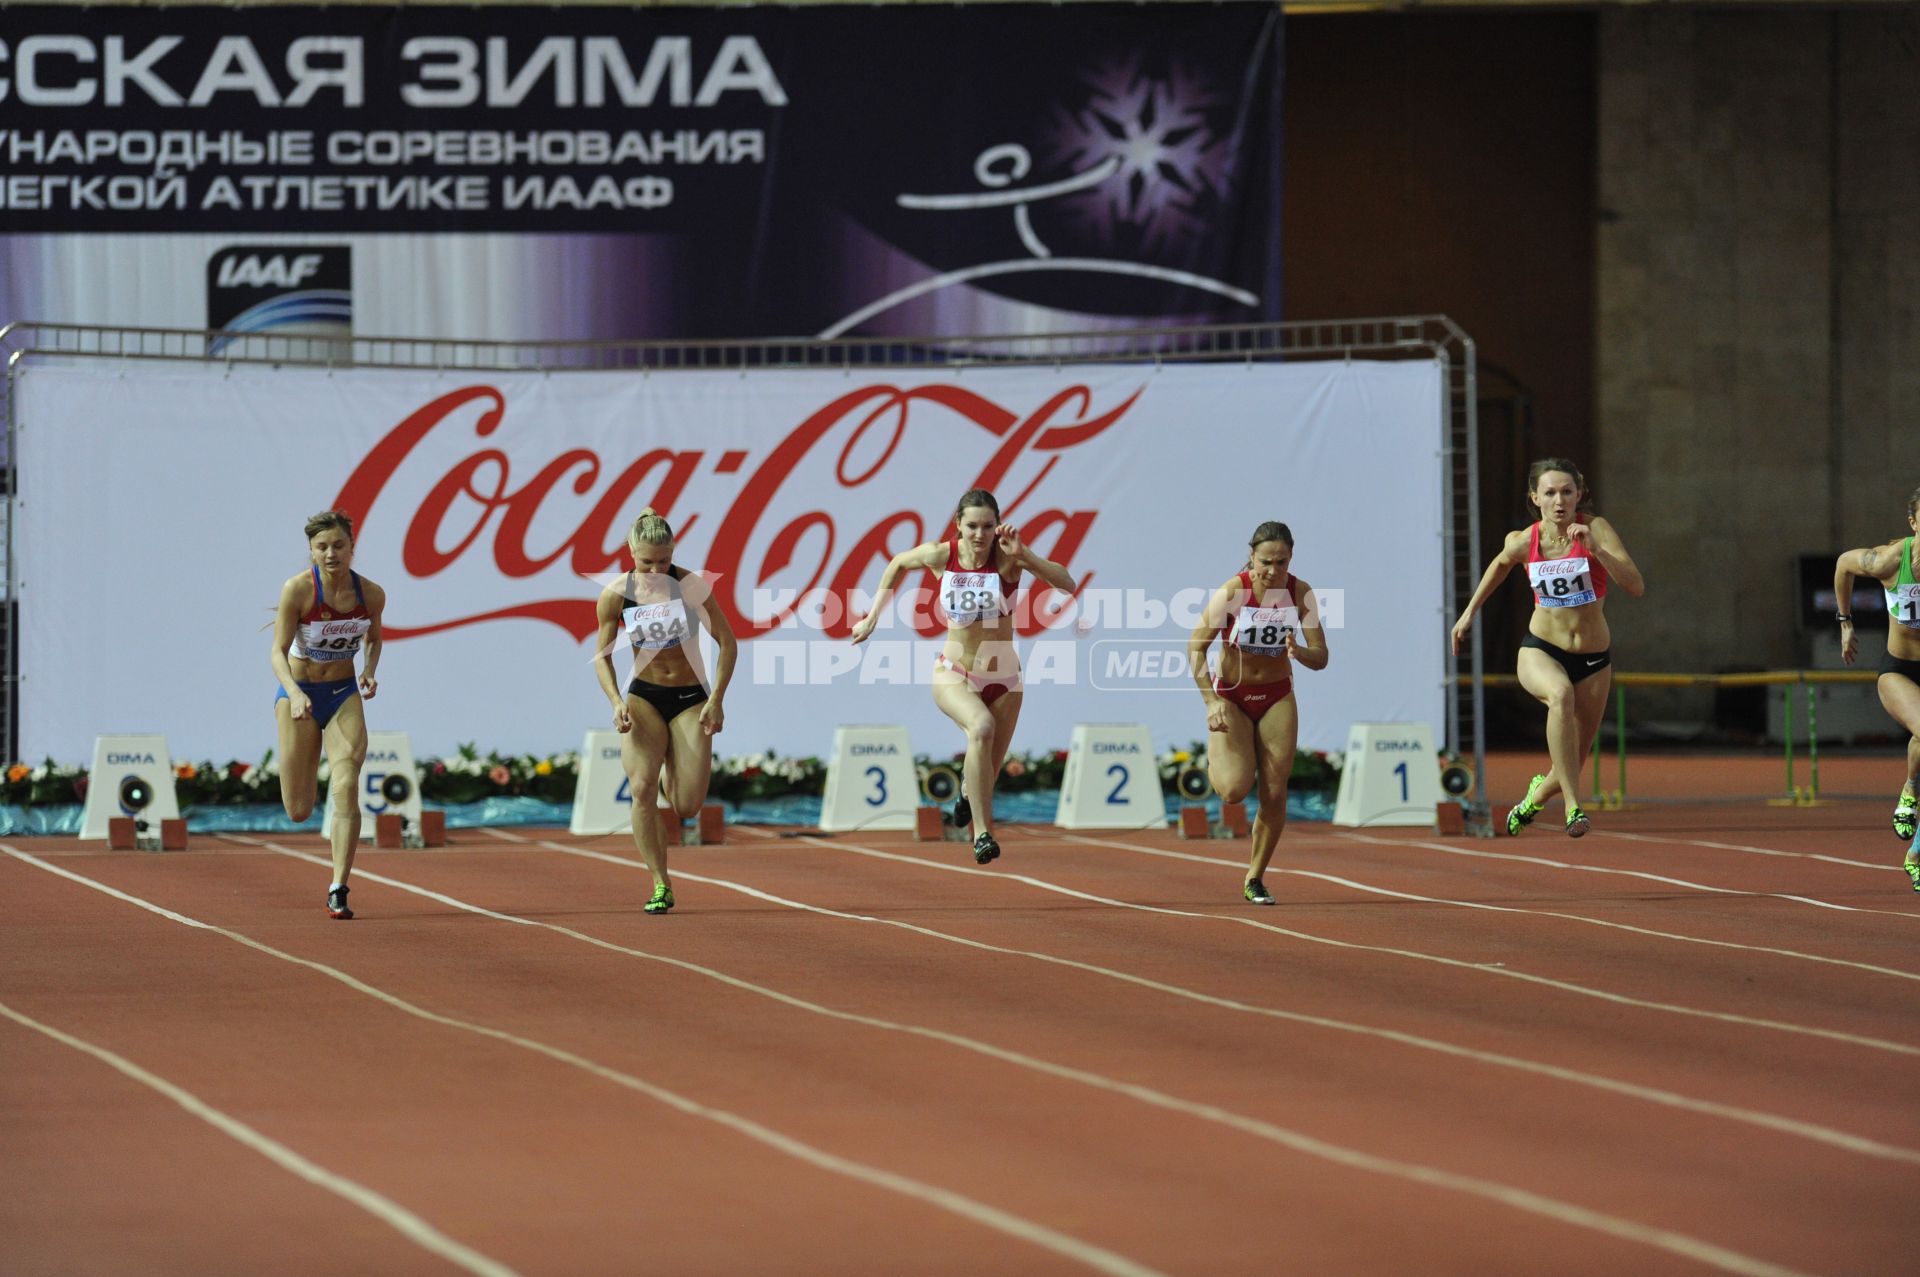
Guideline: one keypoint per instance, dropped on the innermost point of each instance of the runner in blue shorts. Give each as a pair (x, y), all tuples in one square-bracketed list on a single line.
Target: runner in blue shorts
[(327, 614)]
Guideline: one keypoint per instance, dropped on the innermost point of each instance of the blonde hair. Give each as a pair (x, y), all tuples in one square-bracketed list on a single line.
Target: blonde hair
[(650, 529)]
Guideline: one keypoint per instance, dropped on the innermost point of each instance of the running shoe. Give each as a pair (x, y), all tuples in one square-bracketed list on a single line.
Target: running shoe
[(1903, 815), (1577, 823), (962, 813), (1256, 892), (985, 849), (662, 900), (1522, 816), (1913, 871), (337, 904)]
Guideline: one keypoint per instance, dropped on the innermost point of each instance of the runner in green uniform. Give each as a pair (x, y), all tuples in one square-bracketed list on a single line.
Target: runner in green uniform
[(1893, 565)]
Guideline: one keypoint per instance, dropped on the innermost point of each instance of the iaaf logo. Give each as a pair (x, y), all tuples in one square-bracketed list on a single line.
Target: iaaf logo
[(867, 424), (277, 270)]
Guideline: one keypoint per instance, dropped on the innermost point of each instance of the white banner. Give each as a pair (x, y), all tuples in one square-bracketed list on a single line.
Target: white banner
[(160, 509)]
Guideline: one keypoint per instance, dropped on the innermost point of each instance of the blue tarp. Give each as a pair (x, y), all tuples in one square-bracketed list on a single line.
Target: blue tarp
[(1035, 807)]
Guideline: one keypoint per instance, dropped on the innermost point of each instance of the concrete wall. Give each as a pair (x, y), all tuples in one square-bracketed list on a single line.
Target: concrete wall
[(1758, 370)]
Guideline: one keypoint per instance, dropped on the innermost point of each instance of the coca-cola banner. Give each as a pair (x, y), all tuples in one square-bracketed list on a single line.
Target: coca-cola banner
[(640, 171), (161, 509)]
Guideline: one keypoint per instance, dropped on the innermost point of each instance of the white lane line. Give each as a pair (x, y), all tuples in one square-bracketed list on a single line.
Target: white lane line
[(1575, 867), (1880, 865), (1770, 1121), (1490, 1190), (1479, 904), (1501, 971), (1095, 1257), (389, 1212)]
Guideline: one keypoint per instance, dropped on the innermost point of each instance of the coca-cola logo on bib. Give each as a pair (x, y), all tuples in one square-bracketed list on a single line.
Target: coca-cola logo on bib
[(869, 425)]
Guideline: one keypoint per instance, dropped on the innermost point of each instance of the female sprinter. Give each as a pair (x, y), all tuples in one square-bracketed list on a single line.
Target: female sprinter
[(1267, 619), (976, 677), (1896, 565), (326, 614), (1566, 658), (657, 606)]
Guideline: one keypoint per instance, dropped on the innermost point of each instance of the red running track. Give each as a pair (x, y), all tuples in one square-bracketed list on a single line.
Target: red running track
[(1640, 1052)]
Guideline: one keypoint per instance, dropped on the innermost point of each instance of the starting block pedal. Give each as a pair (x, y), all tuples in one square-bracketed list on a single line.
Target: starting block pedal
[(710, 827), (128, 833), (929, 824), (1232, 824), (1449, 819), (393, 830)]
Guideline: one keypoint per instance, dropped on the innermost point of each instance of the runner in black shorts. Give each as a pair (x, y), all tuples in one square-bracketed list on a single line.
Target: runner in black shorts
[(1896, 565), (668, 716), (1566, 659)]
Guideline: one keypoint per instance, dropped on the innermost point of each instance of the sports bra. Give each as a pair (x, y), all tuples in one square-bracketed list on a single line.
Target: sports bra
[(1261, 629), (327, 634), (1571, 581), (660, 624), (969, 595), (1903, 596)]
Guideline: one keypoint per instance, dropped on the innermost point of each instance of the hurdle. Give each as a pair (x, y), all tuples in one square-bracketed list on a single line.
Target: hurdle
[(1792, 684)]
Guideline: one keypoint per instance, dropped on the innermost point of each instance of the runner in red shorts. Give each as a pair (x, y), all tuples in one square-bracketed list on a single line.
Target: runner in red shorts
[(976, 677), (1267, 619)]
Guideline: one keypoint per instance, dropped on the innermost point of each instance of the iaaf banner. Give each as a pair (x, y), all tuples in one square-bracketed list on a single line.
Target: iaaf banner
[(631, 172), (161, 508)]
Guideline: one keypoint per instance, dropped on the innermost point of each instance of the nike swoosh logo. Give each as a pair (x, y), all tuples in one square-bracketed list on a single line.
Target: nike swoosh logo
[(1592, 663)]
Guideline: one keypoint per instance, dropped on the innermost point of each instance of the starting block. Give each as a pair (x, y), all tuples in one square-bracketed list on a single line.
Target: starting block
[(1233, 822), (709, 827), (1449, 819), (131, 781), (393, 830), (128, 833)]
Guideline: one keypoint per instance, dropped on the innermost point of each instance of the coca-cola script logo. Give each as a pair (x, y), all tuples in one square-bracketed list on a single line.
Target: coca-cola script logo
[(746, 551)]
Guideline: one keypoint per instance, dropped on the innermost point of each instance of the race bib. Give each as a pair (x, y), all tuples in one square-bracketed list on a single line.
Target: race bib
[(1262, 631), (655, 626), (1903, 605), (968, 597), (1562, 582)]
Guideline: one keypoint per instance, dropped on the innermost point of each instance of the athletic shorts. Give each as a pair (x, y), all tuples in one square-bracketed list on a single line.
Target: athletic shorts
[(1578, 665), (1255, 699), (671, 702), (326, 698)]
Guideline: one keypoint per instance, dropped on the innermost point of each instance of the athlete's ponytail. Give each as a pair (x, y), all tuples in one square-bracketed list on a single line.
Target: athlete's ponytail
[(651, 529)]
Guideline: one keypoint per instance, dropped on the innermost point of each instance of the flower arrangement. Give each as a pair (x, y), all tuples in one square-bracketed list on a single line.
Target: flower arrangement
[(469, 776), (1312, 768)]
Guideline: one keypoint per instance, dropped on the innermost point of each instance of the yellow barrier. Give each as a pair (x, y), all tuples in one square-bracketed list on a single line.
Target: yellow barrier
[(1796, 795)]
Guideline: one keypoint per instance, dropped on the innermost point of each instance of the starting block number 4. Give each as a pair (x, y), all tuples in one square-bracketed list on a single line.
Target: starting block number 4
[(603, 798)]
